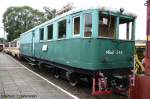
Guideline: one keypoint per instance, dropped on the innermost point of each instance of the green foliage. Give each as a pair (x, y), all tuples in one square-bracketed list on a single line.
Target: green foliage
[(20, 19), (49, 13)]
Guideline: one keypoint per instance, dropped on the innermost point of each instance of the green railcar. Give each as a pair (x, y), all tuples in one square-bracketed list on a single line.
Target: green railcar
[(84, 42)]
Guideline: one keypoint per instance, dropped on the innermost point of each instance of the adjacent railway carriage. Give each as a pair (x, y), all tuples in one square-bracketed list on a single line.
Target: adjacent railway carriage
[(94, 42), (12, 48), (1, 47)]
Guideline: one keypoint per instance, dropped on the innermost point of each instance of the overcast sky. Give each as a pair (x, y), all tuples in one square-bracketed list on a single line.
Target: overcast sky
[(135, 6)]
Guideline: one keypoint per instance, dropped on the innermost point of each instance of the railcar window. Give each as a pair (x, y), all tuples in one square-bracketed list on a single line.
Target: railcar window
[(106, 26), (42, 34), (125, 29), (88, 25), (62, 29), (76, 25), (50, 32)]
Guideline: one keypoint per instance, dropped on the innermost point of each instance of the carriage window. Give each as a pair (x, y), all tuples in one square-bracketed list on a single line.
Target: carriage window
[(122, 31), (106, 26), (50, 32), (125, 26), (76, 25), (42, 34), (88, 25), (62, 29)]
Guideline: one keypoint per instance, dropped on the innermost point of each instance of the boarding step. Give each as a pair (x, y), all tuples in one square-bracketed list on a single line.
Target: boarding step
[(100, 87)]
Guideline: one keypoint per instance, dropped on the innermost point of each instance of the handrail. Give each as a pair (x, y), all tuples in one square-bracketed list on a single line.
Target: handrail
[(139, 68)]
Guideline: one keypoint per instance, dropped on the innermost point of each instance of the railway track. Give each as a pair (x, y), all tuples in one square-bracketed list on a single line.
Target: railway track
[(82, 90)]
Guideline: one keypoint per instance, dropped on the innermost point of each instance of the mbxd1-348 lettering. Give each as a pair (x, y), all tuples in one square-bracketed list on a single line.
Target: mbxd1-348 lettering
[(112, 52)]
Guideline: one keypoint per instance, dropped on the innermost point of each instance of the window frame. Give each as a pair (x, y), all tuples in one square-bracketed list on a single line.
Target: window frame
[(76, 35), (129, 29), (40, 34), (87, 13), (52, 31), (115, 25), (58, 29)]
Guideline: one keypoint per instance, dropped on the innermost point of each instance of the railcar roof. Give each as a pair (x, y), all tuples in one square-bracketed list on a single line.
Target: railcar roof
[(75, 10)]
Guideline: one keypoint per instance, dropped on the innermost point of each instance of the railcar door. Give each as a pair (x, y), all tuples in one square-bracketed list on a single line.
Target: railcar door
[(33, 43)]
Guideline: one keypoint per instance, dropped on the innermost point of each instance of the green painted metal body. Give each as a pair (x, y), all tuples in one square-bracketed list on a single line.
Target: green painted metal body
[(92, 53), (86, 53)]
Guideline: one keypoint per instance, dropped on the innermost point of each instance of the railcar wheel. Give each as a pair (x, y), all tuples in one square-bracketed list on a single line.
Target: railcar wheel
[(56, 76), (56, 73), (73, 83), (73, 78)]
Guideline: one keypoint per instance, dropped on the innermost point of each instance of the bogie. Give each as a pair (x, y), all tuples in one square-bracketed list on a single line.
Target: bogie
[(72, 77)]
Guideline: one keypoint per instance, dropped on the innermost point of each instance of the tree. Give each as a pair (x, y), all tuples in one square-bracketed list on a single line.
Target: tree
[(65, 8), (20, 19), (49, 13)]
